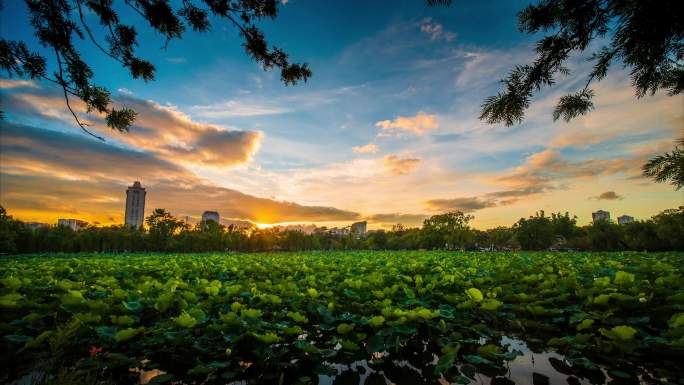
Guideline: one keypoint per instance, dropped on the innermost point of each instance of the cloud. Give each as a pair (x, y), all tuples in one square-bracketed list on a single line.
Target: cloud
[(417, 125), (48, 174), (394, 218), (608, 195), (125, 91), (369, 148), (17, 83), (400, 166), (235, 108), (158, 129), (436, 30), (466, 204)]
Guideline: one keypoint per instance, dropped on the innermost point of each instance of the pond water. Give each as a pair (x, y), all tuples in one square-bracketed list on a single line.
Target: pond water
[(527, 368)]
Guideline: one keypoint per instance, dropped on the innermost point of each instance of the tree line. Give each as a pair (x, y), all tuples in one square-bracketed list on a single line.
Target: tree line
[(451, 231)]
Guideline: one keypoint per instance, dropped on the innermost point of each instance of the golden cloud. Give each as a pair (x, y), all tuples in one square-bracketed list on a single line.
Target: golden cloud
[(417, 125), (369, 148), (158, 129), (50, 174), (400, 166)]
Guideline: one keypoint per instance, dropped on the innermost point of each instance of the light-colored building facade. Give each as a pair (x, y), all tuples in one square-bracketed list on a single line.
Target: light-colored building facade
[(74, 224), (622, 219), (135, 205), (211, 216), (359, 229), (600, 216)]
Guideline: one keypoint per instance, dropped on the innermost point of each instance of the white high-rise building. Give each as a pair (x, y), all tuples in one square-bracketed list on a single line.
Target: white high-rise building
[(74, 224), (625, 219), (135, 205), (600, 216)]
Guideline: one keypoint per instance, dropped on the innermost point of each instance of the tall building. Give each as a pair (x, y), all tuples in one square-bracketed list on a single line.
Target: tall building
[(600, 216), (210, 216), (625, 219), (359, 229), (135, 205), (73, 224)]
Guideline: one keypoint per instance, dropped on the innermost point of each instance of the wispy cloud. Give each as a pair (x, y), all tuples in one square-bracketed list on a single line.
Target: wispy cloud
[(466, 204), (235, 108), (436, 30), (369, 148)]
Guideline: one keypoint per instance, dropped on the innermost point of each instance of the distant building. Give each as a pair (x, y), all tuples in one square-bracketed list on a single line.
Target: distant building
[(600, 216), (135, 205), (210, 216), (359, 229), (625, 219), (339, 232), (74, 224), (36, 225)]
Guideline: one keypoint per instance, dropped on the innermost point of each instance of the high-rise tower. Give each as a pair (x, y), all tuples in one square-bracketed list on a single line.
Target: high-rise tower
[(135, 205)]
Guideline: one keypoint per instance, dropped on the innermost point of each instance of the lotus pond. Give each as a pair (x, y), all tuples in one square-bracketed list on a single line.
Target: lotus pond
[(368, 318)]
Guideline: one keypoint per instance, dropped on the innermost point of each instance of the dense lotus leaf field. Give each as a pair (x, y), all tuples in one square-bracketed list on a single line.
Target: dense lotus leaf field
[(341, 317)]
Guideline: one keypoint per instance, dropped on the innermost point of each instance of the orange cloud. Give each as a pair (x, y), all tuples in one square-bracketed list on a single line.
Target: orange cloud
[(158, 129), (417, 125), (398, 166), (50, 174)]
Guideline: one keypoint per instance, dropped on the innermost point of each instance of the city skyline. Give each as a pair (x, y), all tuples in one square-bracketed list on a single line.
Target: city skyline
[(386, 130)]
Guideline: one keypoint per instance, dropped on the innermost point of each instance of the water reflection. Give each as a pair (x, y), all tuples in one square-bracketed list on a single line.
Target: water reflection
[(527, 367)]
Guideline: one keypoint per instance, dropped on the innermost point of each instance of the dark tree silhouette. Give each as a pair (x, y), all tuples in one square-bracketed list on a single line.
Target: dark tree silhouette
[(58, 22), (668, 167), (645, 36)]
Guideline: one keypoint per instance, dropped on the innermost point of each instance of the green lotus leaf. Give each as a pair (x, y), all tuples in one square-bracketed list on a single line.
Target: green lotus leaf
[(127, 334), (268, 338), (623, 278), (10, 300), (11, 283), (619, 333), (585, 324), (475, 294), (297, 317), (445, 362), (376, 321), (490, 304), (251, 313), (185, 320), (344, 328), (676, 320)]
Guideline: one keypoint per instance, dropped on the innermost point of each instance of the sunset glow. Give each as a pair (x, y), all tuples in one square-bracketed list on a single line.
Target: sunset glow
[(386, 131)]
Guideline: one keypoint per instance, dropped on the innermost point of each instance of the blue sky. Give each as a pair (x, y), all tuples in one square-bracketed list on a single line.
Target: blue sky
[(386, 129)]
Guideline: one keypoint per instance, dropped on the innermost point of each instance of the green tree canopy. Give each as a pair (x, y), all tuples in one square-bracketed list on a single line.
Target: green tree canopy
[(57, 23), (645, 36)]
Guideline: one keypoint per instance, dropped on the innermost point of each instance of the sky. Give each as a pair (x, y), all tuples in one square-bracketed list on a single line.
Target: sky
[(386, 130)]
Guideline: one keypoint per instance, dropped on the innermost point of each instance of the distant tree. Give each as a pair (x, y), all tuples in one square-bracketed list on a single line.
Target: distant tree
[(605, 235), (645, 36), (564, 225), (8, 233), (58, 22), (668, 167), (448, 230), (162, 226), (534, 233), (669, 226)]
